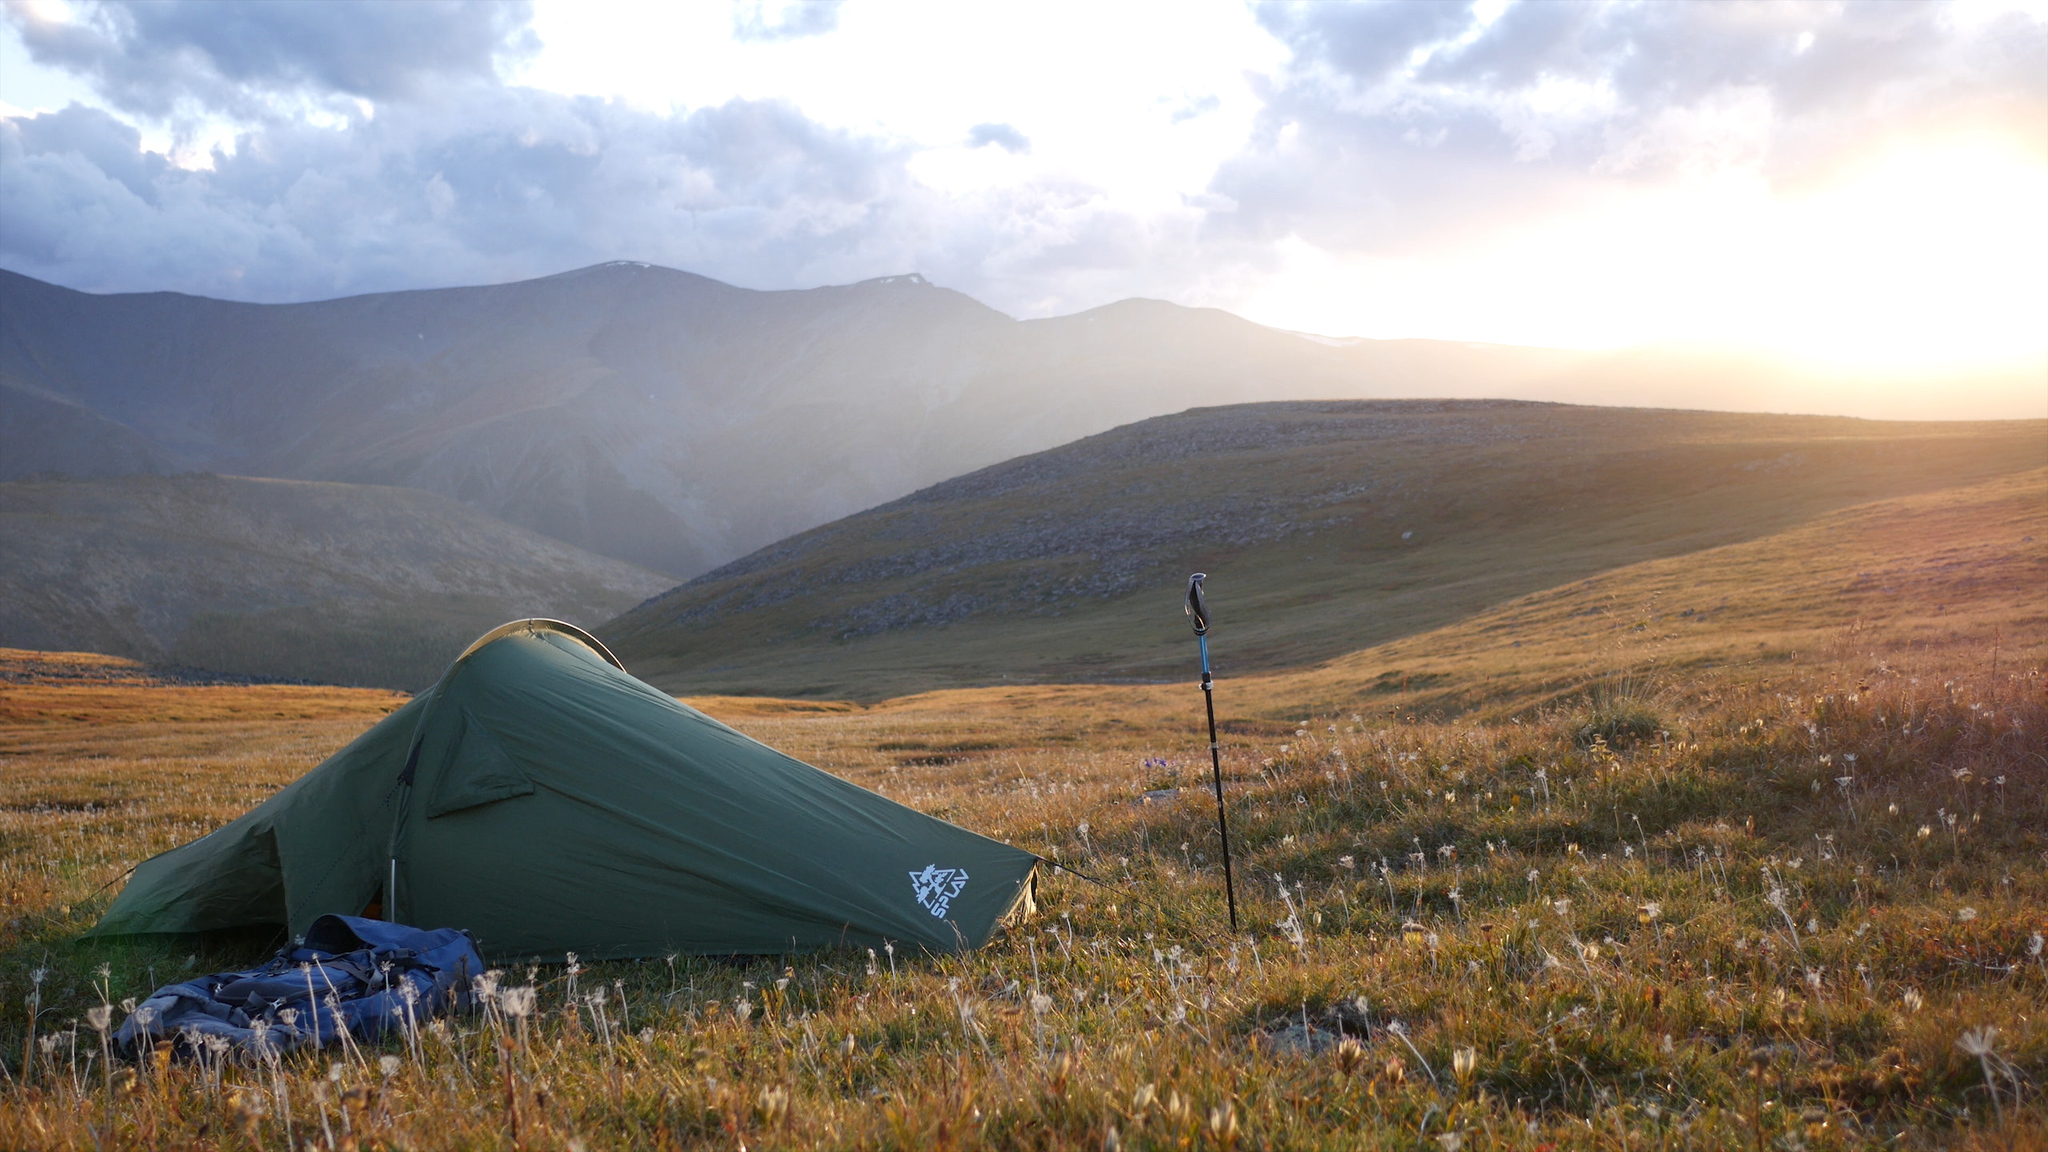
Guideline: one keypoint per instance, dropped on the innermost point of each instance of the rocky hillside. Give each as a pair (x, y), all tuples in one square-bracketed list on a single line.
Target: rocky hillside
[(332, 582), (653, 415), (1326, 527)]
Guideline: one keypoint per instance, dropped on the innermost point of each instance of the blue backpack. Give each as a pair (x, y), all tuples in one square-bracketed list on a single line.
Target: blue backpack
[(365, 976)]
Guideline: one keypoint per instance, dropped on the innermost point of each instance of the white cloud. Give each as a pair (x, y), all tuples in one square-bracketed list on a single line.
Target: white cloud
[(1560, 173)]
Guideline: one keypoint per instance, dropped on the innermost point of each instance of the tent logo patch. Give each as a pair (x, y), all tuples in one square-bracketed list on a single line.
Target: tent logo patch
[(936, 887)]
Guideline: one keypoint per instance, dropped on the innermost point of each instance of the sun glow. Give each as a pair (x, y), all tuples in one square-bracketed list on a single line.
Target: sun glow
[(1929, 258)]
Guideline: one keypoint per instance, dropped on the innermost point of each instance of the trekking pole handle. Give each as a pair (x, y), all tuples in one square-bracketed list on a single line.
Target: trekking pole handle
[(1198, 608)]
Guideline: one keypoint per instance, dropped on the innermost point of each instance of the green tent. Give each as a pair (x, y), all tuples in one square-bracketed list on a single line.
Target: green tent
[(548, 802)]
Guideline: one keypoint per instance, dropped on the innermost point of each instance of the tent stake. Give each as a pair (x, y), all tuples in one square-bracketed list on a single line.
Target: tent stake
[(1198, 614)]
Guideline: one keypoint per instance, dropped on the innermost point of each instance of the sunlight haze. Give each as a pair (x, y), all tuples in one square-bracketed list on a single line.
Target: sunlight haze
[(1852, 188)]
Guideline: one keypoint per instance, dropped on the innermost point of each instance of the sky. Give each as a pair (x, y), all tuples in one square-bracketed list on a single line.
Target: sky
[(1854, 184)]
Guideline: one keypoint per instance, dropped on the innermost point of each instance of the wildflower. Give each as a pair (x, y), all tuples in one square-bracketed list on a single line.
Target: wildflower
[(1966, 914), (1562, 905), (1925, 832), (1348, 1056), (1177, 1107), (1223, 1124), (2034, 943), (388, 1065), (516, 1002), (99, 1016), (1648, 914), (1412, 932), (1463, 1062), (1451, 1141), (1983, 1044), (1141, 1100), (772, 1105), (1912, 999)]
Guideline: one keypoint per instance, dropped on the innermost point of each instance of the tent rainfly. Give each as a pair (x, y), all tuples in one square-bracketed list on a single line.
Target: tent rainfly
[(547, 802)]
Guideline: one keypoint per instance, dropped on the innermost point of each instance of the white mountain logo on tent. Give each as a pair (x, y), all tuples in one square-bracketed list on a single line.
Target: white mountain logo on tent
[(936, 887)]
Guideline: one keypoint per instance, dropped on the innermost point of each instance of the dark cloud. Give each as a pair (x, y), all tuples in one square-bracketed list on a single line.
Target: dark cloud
[(793, 20), (108, 145), (146, 57), (1398, 125), (494, 185), (1002, 136)]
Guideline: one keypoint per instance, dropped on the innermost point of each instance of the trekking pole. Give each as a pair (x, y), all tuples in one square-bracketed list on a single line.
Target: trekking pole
[(1198, 615)]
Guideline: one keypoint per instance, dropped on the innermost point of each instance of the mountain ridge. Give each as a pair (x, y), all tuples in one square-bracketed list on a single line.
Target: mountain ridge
[(643, 412)]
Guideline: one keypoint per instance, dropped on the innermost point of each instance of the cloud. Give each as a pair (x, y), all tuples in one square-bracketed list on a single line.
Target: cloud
[(1398, 126), (150, 58), (1368, 41), (458, 177), (757, 20), (493, 185), (1001, 135), (1387, 129)]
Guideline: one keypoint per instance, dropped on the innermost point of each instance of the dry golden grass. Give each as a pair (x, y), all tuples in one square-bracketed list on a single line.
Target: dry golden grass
[(1641, 881)]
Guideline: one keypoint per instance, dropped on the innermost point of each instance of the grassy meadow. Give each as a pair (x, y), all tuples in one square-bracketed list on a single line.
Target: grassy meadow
[(1742, 849)]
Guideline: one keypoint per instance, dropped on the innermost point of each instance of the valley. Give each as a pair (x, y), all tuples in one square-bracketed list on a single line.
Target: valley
[(281, 579)]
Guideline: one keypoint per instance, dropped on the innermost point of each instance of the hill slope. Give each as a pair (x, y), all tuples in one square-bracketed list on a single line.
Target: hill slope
[(334, 582), (678, 422), (637, 411), (1326, 527)]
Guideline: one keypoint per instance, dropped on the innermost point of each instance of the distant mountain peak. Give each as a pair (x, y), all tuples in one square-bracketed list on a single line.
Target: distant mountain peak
[(909, 278)]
